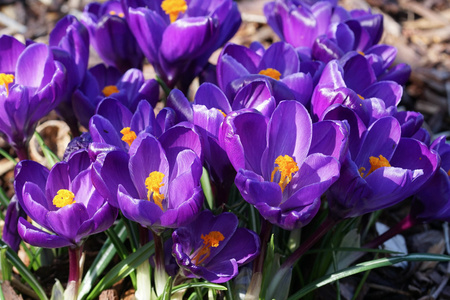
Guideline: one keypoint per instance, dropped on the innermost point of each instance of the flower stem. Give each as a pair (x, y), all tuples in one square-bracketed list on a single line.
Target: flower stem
[(22, 152), (74, 273), (404, 224), (254, 288), (160, 270), (314, 238)]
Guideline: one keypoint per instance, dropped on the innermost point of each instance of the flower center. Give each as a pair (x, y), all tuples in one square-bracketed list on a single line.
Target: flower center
[(375, 163), (109, 90), (173, 8), (287, 166), (153, 183), (212, 239), (63, 197), (6, 79), (128, 135), (113, 13), (271, 73)]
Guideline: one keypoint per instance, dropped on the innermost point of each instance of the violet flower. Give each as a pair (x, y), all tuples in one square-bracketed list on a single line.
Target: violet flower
[(101, 82), (178, 37), (279, 65), (353, 83), (212, 247), (63, 201), (380, 170), (10, 235), (31, 85), (284, 163), (159, 190), (110, 35)]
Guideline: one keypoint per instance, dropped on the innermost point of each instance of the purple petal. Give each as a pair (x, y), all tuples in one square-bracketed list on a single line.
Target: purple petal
[(36, 237), (67, 220)]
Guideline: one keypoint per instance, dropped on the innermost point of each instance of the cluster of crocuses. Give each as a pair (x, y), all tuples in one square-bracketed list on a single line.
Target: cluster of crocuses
[(312, 115)]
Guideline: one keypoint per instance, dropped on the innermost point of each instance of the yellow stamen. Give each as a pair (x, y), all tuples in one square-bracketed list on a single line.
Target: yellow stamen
[(448, 173), (224, 114), (63, 197), (113, 13), (6, 79), (128, 135), (362, 53), (271, 73), (287, 166), (173, 8), (212, 239), (153, 183), (375, 164), (109, 90), (360, 97)]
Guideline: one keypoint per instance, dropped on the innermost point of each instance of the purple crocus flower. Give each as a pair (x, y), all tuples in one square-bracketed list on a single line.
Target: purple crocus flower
[(31, 85), (353, 83), (110, 35), (285, 163), (178, 36), (10, 235), (63, 201), (101, 82), (159, 190), (213, 247), (381, 168), (279, 65), (69, 41)]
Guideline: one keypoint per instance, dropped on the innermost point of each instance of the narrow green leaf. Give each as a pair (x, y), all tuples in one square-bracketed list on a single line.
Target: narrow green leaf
[(164, 86), (24, 272), (4, 200), (206, 187), (51, 157), (123, 269), (167, 290), (5, 266), (270, 266), (102, 260), (7, 156), (362, 267), (206, 285)]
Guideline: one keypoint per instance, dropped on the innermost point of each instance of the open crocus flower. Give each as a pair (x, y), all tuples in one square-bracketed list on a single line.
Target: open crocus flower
[(279, 65), (101, 82), (31, 85), (178, 36), (381, 168), (212, 247), (62, 201), (284, 163), (110, 35), (158, 190)]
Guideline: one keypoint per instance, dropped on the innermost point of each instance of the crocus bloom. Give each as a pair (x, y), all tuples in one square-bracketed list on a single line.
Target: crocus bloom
[(31, 85), (279, 65), (63, 201), (159, 190), (101, 82), (380, 170), (212, 247), (10, 235), (178, 37), (353, 83), (110, 35), (285, 163)]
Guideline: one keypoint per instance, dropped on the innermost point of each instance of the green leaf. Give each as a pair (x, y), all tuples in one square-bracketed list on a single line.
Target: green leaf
[(5, 266), (51, 157), (206, 285), (123, 269), (362, 267), (102, 260), (167, 290), (24, 272), (206, 187), (7, 156)]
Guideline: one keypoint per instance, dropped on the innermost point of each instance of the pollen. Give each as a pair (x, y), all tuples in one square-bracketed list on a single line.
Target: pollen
[(63, 197), (153, 183), (6, 79), (360, 97), (271, 73), (362, 53), (224, 114), (212, 239), (128, 135), (173, 8), (287, 167), (376, 163), (109, 90), (114, 13)]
